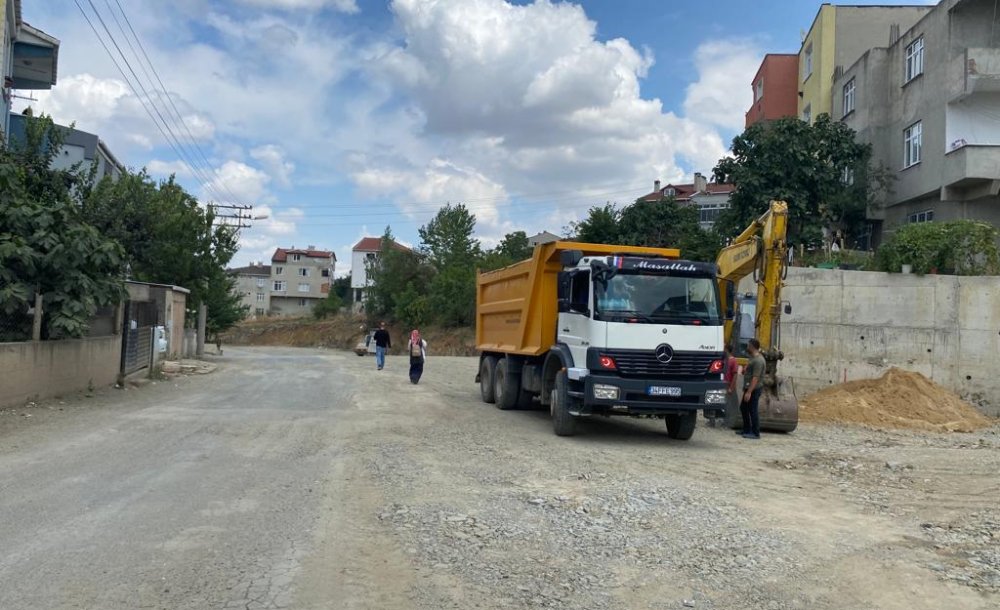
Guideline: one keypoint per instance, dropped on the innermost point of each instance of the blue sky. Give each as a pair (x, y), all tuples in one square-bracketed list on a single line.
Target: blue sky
[(336, 118)]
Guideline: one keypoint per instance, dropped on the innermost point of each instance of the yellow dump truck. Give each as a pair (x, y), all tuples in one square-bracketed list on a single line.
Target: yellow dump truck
[(592, 329)]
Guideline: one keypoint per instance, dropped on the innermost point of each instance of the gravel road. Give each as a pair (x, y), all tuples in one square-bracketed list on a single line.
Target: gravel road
[(297, 478)]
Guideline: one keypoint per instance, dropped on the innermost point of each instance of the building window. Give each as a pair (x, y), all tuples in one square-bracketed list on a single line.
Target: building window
[(303, 302), (847, 176), (325, 273), (807, 114), (849, 97), (807, 64), (304, 287), (260, 297), (709, 214), (279, 286), (759, 90), (259, 311), (279, 270), (304, 272), (669, 192), (914, 59), (926, 216), (912, 137), (260, 282), (296, 257)]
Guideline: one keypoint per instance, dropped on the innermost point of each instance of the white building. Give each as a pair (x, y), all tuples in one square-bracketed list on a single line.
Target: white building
[(364, 253)]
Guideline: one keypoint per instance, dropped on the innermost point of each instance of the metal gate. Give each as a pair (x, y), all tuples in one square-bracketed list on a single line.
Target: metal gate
[(140, 320)]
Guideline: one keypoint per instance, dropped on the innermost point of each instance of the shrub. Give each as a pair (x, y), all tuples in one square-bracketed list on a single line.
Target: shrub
[(960, 247)]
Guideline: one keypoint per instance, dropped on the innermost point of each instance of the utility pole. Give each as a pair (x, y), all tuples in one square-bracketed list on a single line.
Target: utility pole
[(238, 216)]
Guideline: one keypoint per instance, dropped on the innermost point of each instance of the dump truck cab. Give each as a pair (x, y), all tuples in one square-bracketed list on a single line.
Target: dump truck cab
[(645, 334), (593, 329)]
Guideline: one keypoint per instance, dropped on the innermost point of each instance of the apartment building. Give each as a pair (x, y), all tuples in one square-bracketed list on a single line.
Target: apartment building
[(929, 104), (79, 148), (775, 88), (29, 59), (837, 37), (299, 279), (253, 284)]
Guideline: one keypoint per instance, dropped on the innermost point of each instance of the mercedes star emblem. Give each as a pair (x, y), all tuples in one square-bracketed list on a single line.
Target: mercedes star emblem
[(664, 353)]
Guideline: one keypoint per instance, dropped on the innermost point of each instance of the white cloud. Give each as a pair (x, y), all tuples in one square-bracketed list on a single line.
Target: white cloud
[(722, 94), (507, 99), (237, 183), (272, 159), (157, 167), (343, 6)]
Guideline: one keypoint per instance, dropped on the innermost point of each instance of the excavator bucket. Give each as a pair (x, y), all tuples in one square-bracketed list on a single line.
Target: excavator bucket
[(779, 411)]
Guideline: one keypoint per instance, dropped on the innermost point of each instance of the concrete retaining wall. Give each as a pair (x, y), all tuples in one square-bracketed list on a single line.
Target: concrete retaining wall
[(53, 368), (855, 324)]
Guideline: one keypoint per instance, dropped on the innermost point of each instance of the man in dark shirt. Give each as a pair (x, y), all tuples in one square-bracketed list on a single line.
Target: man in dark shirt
[(383, 342), (753, 377)]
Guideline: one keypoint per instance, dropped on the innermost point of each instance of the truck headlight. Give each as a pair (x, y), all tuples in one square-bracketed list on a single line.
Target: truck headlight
[(605, 392), (715, 397)]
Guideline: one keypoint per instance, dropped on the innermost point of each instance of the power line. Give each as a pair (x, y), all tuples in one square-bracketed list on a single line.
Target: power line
[(171, 142), (163, 88)]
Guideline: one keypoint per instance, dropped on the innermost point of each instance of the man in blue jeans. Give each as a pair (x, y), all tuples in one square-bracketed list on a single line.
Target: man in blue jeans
[(753, 377), (383, 342)]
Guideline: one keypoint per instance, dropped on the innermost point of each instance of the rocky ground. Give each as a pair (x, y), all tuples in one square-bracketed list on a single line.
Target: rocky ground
[(494, 511), (351, 488)]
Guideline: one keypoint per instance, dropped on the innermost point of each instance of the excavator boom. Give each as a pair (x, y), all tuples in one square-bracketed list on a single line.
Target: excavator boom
[(762, 250)]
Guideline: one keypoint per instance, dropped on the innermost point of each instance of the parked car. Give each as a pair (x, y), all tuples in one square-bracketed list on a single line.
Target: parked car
[(366, 345)]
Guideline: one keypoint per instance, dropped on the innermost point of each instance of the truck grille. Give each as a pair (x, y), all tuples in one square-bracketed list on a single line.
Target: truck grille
[(643, 363)]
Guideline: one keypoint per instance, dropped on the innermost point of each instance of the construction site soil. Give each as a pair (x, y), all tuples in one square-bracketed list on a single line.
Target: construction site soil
[(899, 399)]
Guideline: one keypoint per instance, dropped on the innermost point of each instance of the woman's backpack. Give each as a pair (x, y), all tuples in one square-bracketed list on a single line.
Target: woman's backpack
[(415, 350)]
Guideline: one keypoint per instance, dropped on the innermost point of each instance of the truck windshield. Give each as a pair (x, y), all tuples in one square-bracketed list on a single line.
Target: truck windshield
[(657, 299)]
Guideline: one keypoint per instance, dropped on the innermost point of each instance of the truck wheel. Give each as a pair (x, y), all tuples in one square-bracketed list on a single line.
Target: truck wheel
[(563, 422), (486, 372), (681, 427), (506, 388), (526, 400)]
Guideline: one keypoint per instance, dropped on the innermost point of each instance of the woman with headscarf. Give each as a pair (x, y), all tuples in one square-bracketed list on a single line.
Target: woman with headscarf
[(417, 349)]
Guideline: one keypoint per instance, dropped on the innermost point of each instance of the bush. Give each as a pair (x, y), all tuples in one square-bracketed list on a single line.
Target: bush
[(329, 306), (960, 247)]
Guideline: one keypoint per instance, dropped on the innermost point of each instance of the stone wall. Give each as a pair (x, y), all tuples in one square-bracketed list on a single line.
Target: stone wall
[(854, 325), (42, 369)]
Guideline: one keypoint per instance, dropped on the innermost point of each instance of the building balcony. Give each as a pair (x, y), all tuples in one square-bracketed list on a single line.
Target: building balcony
[(971, 172), (977, 70)]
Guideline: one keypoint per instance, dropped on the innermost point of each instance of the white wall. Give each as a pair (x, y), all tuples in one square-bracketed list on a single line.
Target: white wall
[(359, 271)]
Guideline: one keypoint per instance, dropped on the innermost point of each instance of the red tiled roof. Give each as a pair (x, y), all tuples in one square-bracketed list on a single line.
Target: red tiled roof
[(281, 254), (374, 244), (684, 192)]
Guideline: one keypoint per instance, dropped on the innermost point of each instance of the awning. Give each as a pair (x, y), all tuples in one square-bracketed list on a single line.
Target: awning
[(36, 59)]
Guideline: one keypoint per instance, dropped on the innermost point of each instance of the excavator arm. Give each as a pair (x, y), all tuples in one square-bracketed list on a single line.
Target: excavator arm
[(761, 250)]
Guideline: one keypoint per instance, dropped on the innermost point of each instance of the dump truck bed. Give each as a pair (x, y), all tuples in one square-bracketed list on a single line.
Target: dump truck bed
[(516, 307)]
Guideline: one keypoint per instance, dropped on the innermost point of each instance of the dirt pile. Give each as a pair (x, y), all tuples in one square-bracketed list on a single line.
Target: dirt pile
[(343, 332), (898, 399)]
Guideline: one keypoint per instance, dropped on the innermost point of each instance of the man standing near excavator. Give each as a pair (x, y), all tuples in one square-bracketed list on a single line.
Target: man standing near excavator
[(753, 377)]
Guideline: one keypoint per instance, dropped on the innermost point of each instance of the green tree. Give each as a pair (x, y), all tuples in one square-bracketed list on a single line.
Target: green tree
[(599, 227), (454, 254), (824, 174), (515, 247), (46, 244), (330, 306), (394, 272), (169, 238)]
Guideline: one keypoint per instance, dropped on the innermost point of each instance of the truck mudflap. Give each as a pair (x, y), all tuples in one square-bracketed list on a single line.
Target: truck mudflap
[(645, 397)]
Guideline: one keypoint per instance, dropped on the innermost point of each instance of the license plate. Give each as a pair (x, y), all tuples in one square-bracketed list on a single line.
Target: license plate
[(660, 390)]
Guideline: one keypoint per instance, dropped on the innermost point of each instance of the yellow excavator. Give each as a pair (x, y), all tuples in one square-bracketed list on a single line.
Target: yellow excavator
[(761, 250)]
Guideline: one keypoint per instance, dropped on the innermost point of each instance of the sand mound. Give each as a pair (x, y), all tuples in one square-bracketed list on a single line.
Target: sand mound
[(899, 399)]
